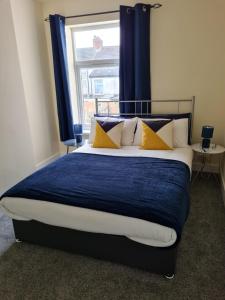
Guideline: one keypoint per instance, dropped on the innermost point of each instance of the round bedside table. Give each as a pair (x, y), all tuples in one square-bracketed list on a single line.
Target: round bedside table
[(217, 150)]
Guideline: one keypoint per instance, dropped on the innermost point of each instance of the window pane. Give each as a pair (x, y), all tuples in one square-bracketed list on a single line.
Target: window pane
[(97, 44), (110, 108), (96, 57), (98, 87), (99, 82)]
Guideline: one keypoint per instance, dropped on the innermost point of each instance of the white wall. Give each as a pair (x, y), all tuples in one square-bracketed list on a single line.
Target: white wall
[(32, 52), (187, 51), (16, 152), (28, 126)]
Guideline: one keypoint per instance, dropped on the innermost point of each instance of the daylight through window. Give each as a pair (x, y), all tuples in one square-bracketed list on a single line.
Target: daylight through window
[(96, 58)]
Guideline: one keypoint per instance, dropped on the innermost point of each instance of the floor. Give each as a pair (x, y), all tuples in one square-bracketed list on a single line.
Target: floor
[(32, 272)]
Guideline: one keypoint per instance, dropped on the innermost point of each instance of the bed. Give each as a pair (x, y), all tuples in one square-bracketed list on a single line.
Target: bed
[(97, 213)]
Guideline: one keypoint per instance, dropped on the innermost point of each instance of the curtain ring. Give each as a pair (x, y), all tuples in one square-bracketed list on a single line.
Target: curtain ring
[(144, 8), (128, 10), (156, 5)]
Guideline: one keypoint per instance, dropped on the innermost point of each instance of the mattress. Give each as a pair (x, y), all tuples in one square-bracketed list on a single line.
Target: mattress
[(90, 220)]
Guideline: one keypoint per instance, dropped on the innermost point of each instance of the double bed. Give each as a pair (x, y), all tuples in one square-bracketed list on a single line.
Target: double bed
[(127, 205)]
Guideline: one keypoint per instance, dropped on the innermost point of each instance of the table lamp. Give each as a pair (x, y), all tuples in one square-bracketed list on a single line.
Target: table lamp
[(78, 130), (207, 134)]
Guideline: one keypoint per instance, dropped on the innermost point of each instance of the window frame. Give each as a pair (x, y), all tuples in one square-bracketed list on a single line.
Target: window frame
[(78, 65)]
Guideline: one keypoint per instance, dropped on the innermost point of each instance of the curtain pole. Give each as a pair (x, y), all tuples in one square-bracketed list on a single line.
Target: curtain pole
[(156, 5)]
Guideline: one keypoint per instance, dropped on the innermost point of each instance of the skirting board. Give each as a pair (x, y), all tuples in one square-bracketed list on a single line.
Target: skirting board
[(47, 160), (222, 184)]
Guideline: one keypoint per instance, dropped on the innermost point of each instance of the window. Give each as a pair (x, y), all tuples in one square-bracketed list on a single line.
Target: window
[(96, 61), (98, 86)]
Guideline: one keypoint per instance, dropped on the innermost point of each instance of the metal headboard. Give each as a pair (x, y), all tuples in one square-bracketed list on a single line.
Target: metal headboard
[(140, 103)]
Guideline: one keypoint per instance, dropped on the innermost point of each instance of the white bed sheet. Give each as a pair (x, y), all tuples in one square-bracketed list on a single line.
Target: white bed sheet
[(182, 154), (141, 231)]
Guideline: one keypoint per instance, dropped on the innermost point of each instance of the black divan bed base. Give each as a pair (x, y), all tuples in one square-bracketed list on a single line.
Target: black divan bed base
[(109, 247)]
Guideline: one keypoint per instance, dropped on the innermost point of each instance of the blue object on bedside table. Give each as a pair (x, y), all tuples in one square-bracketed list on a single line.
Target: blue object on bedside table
[(77, 141), (78, 131), (207, 134)]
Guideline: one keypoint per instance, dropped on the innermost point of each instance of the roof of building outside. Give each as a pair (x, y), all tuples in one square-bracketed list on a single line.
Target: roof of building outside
[(106, 52), (105, 72)]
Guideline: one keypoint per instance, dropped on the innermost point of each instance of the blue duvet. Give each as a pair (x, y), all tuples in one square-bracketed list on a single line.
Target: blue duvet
[(151, 189)]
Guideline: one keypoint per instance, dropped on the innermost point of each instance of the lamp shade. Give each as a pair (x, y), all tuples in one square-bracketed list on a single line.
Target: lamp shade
[(207, 132), (77, 128)]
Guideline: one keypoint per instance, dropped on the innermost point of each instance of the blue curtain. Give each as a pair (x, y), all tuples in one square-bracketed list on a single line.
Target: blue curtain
[(135, 57), (57, 25)]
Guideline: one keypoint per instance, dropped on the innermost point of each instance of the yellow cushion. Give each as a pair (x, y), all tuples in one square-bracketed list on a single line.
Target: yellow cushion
[(157, 135), (108, 134)]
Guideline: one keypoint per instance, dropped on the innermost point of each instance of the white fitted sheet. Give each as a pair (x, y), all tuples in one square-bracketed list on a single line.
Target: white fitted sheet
[(181, 154), (84, 219)]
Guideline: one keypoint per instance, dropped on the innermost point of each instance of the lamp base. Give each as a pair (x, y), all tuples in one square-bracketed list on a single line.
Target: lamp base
[(205, 143)]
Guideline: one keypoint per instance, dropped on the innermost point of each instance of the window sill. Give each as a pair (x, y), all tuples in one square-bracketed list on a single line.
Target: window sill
[(86, 133)]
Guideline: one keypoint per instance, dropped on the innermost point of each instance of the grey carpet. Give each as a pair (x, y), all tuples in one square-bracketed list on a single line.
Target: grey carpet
[(32, 272)]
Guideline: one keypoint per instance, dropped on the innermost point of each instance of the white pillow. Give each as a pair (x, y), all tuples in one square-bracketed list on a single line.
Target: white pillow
[(180, 132), (127, 132)]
